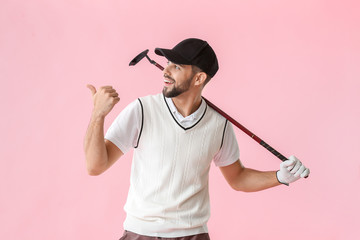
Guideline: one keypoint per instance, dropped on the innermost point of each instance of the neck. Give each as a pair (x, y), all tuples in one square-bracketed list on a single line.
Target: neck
[(186, 104)]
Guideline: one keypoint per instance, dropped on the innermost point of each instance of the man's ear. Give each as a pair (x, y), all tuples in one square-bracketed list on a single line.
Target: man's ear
[(200, 78)]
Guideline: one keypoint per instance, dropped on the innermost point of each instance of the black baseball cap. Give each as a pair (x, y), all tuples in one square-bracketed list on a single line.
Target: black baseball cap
[(192, 51)]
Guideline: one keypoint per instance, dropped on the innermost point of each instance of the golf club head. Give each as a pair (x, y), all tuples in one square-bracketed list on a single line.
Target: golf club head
[(138, 57)]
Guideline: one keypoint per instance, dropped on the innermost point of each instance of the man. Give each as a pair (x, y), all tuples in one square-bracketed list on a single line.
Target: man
[(175, 136)]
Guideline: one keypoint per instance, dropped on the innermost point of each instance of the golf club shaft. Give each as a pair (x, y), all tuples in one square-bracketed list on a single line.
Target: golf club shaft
[(245, 130), (241, 127), (233, 121), (159, 66)]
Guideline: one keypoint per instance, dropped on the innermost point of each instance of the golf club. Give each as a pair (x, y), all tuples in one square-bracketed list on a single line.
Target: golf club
[(143, 54)]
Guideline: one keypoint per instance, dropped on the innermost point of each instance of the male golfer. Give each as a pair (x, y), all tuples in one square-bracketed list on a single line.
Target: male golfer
[(175, 137)]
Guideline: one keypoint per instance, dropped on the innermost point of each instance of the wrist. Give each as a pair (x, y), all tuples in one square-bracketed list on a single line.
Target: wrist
[(97, 117)]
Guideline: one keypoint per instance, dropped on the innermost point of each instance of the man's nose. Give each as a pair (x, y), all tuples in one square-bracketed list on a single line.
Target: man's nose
[(167, 70)]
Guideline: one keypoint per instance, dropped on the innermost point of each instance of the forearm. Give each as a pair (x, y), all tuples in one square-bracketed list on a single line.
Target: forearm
[(250, 180), (94, 146)]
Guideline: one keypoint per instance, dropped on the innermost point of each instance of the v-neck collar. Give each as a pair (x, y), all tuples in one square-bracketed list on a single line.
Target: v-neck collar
[(194, 117)]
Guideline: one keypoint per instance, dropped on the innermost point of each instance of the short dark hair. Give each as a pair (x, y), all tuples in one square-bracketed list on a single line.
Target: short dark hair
[(196, 69)]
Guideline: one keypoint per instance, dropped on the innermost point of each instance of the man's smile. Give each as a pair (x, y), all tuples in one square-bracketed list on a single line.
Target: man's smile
[(168, 80)]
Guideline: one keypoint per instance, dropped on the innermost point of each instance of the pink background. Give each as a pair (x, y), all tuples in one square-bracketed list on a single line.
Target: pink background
[(289, 71)]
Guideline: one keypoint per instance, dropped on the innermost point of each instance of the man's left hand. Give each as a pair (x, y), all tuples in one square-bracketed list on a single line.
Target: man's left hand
[(291, 170)]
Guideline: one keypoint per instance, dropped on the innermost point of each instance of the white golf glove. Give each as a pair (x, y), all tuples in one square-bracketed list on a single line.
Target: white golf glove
[(291, 170)]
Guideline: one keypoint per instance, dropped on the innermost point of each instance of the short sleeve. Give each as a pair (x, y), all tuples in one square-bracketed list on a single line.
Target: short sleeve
[(229, 152), (124, 131)]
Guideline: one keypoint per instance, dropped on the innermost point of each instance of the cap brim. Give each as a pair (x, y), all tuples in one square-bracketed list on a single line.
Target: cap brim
[(171, 56)]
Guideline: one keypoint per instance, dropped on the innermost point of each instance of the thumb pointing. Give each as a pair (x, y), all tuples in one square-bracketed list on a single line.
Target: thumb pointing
[(92, 89)]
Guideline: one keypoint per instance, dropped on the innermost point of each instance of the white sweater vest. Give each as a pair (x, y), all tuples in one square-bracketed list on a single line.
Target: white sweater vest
[(168, 195)]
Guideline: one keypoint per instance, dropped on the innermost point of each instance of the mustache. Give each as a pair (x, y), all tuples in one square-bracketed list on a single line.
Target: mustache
[(168, 77)]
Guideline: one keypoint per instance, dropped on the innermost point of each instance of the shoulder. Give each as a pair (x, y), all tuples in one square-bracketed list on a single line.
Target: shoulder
[(155, 97), (210, 109), (151, 100)]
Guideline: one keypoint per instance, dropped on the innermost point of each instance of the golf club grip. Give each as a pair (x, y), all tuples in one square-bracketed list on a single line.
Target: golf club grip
[(245, 130), (273, 151)]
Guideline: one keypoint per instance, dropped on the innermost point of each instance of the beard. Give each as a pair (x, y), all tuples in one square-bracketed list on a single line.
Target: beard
[(177, 90)]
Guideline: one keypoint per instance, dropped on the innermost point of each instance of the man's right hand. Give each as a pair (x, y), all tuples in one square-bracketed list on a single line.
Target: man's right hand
[(104, 100)]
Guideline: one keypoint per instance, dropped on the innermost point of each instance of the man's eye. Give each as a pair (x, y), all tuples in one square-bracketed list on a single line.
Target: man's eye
[(176, 66)]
